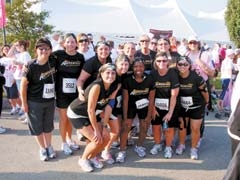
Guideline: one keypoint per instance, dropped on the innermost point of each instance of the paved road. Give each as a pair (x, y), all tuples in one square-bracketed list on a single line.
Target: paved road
[(19, 158)]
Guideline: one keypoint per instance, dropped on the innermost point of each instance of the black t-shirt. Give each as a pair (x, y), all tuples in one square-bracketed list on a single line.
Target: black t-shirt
[(189, 90), (80, 107), (137, 90), (147, 59), (39, 77), (163, 85), (68, 70), (91, 67)]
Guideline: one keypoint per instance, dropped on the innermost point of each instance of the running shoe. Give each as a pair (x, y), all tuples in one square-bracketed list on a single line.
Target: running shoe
[(156, 148), (85, 165), (140, 151), (96, 163), (180, 149), (121, 156), (168, 152), (66, 149), (194, 154)]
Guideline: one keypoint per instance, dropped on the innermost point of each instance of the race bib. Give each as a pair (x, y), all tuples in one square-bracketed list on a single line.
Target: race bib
[(186, 102), (69, 85), (162, 104), (48, 91), (142, 103), (119, 102)]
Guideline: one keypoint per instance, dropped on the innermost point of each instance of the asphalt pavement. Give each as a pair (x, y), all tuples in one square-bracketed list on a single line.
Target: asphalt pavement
[(19, 157)]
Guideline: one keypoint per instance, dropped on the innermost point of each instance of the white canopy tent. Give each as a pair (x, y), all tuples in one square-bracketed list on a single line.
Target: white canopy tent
[(204, 19)]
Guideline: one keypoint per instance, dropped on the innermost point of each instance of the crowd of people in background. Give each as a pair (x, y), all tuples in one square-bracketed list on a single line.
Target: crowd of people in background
[(166, 85)]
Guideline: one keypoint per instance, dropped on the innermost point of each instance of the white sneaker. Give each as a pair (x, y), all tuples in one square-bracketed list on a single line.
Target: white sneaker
[(14, 111), (73, 145), (51, 152), (194, 154), (85, 165), (180, 149), (66, 149), (115, 144), (96, 163), (22, 117), (156, 148), (107, 157), (140, 151), (2, 130), (120, 156), (168, 152), (25, 121), (43, 155)]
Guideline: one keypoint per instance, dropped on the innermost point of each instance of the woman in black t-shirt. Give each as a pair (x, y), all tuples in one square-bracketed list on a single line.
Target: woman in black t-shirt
[(166, 103), (193, 96), (38, 97), (86, 116), (69, 66), (138, 98)]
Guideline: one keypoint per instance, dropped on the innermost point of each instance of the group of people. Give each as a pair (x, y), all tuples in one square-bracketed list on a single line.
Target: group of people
[(100, 96)]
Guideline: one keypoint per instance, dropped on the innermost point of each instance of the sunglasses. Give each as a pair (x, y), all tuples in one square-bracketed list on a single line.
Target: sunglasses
[(142, 41), (163, 61), (83, 40), (44, 49), (193, 42), (183, 64), (153, 43), (161, 44)]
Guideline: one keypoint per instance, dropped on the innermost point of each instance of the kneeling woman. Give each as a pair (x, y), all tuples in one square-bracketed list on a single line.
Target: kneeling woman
[(194, 97), (86, 119)]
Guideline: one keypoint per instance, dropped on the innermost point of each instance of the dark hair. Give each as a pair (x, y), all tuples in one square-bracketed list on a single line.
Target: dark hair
[(24, 43), (43, 41), (186, 58)]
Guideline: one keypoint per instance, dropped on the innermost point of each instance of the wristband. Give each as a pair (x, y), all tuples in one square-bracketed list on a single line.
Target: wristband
[(111, 102)]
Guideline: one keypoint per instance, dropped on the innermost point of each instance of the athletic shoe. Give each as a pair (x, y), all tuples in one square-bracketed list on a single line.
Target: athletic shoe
[(121, 156), (115, 144), (85, 165), (73, 145), (25, 121), (107, 157), (80, 137), (156, 148), (66, 149), (96, 163), (180, 149), (194, 154), (140, 151), (2, 130), (22, 117), (14, 111), (20, 112), (168, 152), (43, 155), (218, 115), (51, 153)]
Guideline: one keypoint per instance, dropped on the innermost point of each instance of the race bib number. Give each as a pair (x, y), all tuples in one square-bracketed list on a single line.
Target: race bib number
[(69, 85), (119, 102), (186, 102), (48, 91), (162, 104), (142, 103)]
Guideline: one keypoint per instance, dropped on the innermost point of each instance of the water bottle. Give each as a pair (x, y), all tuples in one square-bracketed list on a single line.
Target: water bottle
[(165, 125)]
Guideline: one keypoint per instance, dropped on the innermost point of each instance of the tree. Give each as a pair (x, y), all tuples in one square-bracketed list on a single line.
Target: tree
[(232, 20), (24, 24)]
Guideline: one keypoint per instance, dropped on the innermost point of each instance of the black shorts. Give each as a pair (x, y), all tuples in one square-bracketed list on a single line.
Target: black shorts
[(63, 100), (41, 117), (12, 92), (132, 112), (79, 123), (174, 122), (197, 113)]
